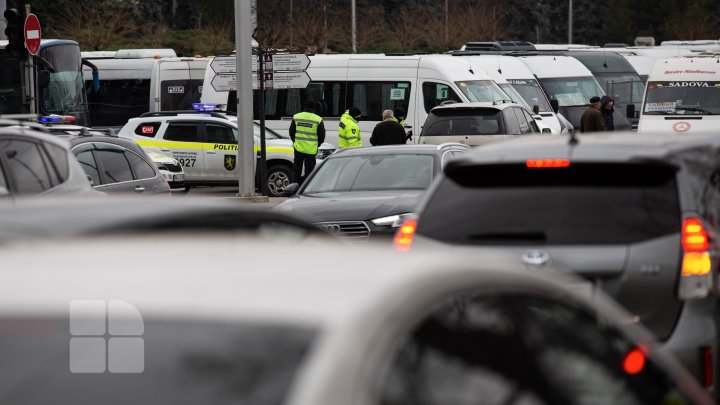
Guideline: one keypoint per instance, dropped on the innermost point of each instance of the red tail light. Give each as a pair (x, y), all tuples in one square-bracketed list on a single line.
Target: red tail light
[(547, 163), (634, 361), (694, 236), (708, 366), (404, 236)]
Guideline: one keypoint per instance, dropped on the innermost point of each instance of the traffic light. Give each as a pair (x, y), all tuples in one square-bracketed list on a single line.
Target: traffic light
[(15, 32)]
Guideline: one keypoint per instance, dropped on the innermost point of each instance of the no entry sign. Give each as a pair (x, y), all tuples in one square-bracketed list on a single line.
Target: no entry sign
[(32, 34)]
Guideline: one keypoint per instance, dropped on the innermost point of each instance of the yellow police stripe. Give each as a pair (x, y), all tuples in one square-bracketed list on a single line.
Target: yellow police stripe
[(210, 146)]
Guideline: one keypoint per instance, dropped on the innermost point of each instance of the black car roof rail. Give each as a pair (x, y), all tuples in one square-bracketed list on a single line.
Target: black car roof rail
[(215, 114)]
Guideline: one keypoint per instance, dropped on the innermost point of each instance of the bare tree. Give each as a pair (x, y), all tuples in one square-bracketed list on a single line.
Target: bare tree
[(95, 27)]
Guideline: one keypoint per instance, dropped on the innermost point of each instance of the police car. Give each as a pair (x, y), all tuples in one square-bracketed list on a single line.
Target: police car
[(205, 144)]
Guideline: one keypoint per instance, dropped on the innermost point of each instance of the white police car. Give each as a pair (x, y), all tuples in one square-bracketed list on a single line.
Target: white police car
[(205, 144)]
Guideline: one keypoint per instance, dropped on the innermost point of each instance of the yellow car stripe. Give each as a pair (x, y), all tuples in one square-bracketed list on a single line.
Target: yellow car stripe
[(210, 146)]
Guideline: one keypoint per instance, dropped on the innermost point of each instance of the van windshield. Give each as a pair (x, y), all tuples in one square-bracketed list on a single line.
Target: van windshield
[(530, 90), (514, 95), (682, 98), (481, 90), (623, 87), (572, 91)]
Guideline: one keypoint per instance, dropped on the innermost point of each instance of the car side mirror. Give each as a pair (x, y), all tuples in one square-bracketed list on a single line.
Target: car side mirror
[(43, 79), (291, 189), (92, 183), (555, 105), (536, 109), (630, 110)]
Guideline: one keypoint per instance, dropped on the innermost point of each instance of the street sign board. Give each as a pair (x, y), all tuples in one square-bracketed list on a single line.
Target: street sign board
[(287, 80), (290, 62), (273, 63), (32, 34), (224, 82), (225, 64)]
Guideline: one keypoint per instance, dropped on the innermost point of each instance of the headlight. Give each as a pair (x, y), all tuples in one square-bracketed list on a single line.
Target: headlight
[(394, 221)]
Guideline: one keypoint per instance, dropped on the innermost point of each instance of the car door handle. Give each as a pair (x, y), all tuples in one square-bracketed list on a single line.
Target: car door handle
[(139, 189), (211, 153)]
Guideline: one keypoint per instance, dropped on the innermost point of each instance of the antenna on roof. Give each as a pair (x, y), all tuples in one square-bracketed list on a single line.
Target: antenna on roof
[(605, 59)]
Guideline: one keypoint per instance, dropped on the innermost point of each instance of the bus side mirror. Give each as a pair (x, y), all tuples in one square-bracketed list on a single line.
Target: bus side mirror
[(555, 105), (630, 110), (43, 79), (96, 81), (536, 109)]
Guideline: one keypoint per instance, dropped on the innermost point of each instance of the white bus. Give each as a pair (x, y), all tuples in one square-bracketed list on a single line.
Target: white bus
[(683, 95), (372, 83), (136, 81)]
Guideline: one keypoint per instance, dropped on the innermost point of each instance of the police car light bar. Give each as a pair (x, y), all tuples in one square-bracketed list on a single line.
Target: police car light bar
[(205, 107), (57, 119)]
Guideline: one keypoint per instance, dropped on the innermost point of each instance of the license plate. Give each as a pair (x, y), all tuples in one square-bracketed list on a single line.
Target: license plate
[(178, 177)]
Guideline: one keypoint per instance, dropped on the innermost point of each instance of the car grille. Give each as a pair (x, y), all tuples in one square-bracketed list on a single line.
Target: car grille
[(351, 231), (171, 167)]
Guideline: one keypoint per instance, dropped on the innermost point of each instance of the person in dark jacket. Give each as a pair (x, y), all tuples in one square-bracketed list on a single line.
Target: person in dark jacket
[(592, 119), (388, 132), (607, 110), (400, 118)]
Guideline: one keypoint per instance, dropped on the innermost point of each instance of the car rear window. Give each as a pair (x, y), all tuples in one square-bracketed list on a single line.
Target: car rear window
[(171, 362), (580, 204), (475, 121)]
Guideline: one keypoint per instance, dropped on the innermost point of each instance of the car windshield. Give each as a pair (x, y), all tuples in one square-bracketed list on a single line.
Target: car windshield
[(582, 204), (464, 121), (682, 98), (532, 93), (572, 91), (375, 172), (185, 362), (269, 133), (481, 90), (623, 87)]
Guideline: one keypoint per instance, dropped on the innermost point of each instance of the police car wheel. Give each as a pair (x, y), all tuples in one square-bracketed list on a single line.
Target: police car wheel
[(279, 177)]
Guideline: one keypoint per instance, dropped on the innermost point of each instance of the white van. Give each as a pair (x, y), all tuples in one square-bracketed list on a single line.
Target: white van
[(567, 80), (682, 95), (520, 81), (372, 83), (135, 81)]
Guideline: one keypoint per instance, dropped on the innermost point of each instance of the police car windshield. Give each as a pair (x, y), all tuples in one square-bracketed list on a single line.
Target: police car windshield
[(269, 133), (682, 98), (372, 173)]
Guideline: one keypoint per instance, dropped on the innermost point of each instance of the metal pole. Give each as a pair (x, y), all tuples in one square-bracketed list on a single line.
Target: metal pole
[(354, 28), (263, 153), (246, 144), (447, 31), (292, 23), (570, 21)]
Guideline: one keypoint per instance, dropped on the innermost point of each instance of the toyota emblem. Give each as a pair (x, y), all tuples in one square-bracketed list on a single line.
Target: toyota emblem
[(536, 258), (331, 228)]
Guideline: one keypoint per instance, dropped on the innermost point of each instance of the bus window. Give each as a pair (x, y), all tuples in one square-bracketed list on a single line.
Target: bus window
[(179, 94), (117, 101), (283, 103), (372, 98), (436, 93)]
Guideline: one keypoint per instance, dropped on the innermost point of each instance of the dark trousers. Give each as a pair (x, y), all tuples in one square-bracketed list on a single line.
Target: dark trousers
[(302, 159)]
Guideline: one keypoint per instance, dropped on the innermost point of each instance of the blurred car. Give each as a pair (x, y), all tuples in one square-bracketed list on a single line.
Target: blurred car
[(36, 163), (205, 144), (232, 326), (635, 215), (361, 192), (170, 169), (477, 123)]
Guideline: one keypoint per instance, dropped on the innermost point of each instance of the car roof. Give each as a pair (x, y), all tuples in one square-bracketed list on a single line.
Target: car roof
[(477, 104), (75, 140), (616, 147), (398, 150), (23, 132), (236, 279)]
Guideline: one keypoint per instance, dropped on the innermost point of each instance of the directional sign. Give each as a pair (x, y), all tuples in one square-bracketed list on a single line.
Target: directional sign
[(32, 34), (224, 64), (224, 82), (290, 62), (288, 80)]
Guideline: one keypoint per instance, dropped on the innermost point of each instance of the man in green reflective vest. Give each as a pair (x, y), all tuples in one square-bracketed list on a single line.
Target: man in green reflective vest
[(348, 130), (307, 131)]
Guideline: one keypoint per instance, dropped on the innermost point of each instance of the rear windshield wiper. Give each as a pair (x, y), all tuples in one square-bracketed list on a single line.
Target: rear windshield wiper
[(692, 108), (509, 236)]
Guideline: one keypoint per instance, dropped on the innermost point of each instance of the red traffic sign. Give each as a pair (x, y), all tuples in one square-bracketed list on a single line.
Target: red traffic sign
[(32, 34)]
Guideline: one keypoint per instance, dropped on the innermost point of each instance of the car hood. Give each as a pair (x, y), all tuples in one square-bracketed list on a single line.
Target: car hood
[(351, 206)]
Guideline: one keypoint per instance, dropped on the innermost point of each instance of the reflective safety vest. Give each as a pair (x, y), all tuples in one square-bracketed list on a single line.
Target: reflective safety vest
[(348, 132), (306, 132), (400, 122)]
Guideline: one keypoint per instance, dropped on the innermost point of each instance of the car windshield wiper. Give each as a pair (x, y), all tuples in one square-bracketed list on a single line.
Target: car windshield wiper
[(509, 236), (692, 108)]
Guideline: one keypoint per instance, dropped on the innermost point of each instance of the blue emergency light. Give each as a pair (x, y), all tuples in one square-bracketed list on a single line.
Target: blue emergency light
[(57, 119), (205, 107)]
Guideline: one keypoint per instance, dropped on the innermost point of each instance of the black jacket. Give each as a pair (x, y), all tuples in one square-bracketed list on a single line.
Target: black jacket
[(388, 132), (608, 114)]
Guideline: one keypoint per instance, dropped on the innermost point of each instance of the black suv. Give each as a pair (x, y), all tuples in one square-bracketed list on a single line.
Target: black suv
[(636, 215)]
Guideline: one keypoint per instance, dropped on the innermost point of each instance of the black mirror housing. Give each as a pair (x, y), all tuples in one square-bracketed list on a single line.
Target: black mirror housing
[(630, 110), (555, 105), (536, 109)]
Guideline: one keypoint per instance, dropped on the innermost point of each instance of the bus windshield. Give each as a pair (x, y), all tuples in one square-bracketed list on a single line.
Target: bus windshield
[(622, 87), (66, 92), (530, 90), (572, 91), (682, 98), (481, 90)]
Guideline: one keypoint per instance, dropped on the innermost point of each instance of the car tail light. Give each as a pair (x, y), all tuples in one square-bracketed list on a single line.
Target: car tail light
[(707, 367), (547, 163), (696, 271), (404, 236), (634, 361)]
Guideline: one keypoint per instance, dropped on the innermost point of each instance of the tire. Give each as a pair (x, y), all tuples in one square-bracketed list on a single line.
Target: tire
[(279, 176)]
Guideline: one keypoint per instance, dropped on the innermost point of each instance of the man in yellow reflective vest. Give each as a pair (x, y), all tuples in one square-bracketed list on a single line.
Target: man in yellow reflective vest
[(307, 131), (348, 130), (399, 114)]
